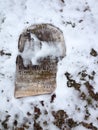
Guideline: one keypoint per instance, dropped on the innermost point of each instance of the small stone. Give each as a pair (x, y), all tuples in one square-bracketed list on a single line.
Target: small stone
[(93, 52), (29, 114), (81, 20), (52, 98), (87, 8), (45, 123), (61, 10), (15, 122), (2, 91), (62, 1), (42, 103)]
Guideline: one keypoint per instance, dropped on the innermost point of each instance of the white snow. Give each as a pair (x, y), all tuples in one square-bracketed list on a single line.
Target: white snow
[(15, 16), (36, 49)]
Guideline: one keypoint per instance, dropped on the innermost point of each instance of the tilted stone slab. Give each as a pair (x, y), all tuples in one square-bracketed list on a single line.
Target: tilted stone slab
[(39, 78)]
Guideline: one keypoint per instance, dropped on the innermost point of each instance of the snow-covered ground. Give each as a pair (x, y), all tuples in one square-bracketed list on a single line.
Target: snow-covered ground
[(74, 104)]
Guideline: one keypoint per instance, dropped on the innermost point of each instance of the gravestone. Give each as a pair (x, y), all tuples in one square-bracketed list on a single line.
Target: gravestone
[(40, 48)]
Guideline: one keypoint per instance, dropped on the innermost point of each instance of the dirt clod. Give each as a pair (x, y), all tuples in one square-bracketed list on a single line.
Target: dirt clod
[(71, 123), (37, 126), (60, 117)]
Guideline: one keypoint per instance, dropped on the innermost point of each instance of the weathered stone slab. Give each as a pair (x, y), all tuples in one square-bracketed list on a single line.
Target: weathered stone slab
[(40, 78)]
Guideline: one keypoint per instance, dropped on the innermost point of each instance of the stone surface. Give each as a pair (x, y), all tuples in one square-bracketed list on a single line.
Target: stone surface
[(41, 78)]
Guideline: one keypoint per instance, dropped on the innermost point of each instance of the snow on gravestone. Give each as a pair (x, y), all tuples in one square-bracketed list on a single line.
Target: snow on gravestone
[(40, 47)]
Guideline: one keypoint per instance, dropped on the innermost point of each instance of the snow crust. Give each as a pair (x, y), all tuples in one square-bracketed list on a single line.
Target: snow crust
[(79, 22), (36, 49)]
